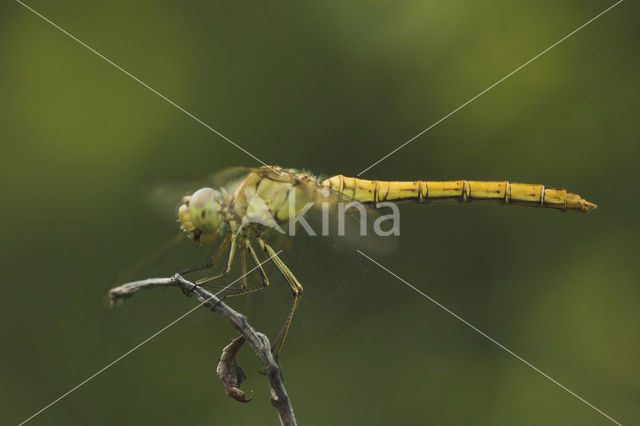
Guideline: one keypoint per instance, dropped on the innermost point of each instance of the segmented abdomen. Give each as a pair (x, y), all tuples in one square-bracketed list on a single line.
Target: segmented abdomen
[(457, 191)]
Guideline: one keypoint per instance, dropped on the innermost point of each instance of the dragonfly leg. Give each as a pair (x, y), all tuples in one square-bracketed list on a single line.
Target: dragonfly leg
[(213, 259), (296, 290), (243, 261), (256, 261), (227, 268), (239, 291)]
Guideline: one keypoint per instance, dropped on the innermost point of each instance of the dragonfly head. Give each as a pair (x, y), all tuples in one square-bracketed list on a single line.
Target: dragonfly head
[(200, 215)]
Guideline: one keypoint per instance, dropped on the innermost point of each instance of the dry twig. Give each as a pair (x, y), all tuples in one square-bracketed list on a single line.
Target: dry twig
[(257, 340)]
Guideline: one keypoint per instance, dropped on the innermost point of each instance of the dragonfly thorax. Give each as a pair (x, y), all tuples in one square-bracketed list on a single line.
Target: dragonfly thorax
[(201, 215)]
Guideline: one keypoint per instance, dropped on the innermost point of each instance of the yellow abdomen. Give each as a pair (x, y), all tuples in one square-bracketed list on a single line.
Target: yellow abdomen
[(457, 191)]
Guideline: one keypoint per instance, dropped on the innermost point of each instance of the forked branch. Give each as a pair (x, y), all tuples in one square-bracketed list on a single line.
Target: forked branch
[(257, 340)]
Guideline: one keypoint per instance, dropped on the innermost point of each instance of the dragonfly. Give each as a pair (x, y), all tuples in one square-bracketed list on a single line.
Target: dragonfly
[(265, 199)]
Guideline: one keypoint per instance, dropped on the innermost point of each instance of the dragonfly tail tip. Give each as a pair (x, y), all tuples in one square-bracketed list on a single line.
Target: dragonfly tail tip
[(587, 206)]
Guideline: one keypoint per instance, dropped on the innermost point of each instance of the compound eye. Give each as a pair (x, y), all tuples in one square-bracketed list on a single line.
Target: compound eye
[(201, 198)]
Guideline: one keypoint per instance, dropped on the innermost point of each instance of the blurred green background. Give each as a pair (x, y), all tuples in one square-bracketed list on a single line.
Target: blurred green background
[(330, 87)]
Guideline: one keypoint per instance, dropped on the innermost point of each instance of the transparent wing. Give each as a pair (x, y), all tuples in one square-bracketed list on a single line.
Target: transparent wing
[(175, 255), (331, 272)]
